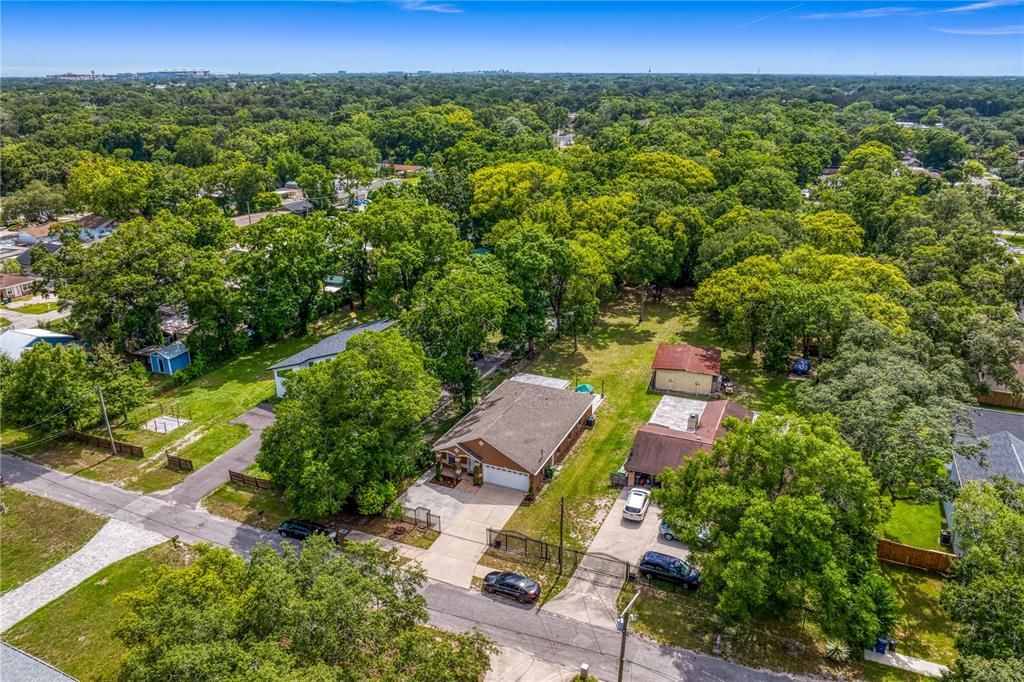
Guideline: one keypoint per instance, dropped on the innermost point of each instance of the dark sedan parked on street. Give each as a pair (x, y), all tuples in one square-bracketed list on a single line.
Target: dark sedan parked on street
[(513, 585), (300, 529)]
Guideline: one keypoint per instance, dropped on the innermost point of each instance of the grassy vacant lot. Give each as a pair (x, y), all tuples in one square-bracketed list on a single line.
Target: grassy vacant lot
[(244, 505), (684, 619), (616, 359), (37, 534), (926, 631), (915, 524), (75, 631), (211, 402)]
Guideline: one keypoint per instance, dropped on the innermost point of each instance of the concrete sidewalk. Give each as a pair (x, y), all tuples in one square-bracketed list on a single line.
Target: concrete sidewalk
[(115, 541)]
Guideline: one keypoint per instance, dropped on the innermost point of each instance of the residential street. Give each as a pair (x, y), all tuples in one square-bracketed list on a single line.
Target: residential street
[(545, 635)]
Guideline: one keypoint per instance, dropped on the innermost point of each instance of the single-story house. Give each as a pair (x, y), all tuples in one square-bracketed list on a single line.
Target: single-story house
[(92, 228), (14, 342), (169, 359), (403, 170), (25, 259), (1000, 395), (302, 207), (678, 429), (1004, 455), (14, 286), (321, 351), (682, 368), (514, 434), (34, 234)]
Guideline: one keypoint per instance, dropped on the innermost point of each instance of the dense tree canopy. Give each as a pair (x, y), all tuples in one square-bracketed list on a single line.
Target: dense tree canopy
[(327, 613), (350, 423)]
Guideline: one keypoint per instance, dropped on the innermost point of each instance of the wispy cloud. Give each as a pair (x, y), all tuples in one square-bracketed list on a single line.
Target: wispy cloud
[(428, 6), (870, 13), (1013, 30), (984, 4), (769, 16)]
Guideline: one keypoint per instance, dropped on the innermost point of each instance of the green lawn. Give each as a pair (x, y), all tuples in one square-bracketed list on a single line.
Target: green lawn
[(210, 402), (4, 322), (683, 619), (34, 308), (37, 533), (75, 631), (616, 359), (926, 631), (915, 524), (1015, 239), (244, 505)]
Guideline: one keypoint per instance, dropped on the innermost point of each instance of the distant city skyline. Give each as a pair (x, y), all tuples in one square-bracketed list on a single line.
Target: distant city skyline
[(965, 37)]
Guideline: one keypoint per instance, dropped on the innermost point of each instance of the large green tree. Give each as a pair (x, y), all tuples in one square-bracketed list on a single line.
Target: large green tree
[(985, 598), (330, 613), (790, 512), (350, 423)]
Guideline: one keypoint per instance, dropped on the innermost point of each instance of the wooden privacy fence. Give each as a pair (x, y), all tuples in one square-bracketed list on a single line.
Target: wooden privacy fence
[(101, 442), (916, 557), (179, 463), (250, 481)]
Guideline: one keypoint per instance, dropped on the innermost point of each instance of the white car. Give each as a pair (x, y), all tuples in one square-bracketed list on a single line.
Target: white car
[(637, 502)]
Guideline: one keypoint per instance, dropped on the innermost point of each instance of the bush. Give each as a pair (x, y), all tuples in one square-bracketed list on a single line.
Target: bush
[(373, 498), (837, 650)]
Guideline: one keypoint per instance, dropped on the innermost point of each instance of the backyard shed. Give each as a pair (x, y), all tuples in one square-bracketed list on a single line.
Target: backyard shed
[(682, 368)]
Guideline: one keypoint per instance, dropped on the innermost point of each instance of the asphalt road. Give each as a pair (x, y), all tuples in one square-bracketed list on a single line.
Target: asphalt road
[(545, 635)]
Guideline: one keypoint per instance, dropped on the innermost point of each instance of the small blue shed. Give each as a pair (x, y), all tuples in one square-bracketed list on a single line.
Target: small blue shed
[(170, 359)]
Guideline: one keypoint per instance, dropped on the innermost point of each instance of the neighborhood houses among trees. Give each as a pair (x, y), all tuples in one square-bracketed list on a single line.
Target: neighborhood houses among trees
[(865, 225)]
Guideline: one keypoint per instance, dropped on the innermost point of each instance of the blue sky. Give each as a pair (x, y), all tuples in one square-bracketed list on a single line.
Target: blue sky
[(965, 37)]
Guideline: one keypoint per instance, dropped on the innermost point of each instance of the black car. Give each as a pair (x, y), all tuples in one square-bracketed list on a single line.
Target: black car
[(665, 567), (300, 529), (519, 587)]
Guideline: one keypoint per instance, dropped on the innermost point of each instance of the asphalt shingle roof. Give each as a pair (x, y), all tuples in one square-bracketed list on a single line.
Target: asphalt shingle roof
[(526, 422), (332, 345)]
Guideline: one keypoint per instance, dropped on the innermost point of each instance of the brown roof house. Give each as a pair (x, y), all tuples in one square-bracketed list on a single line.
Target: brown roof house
[(15, 286), (514, 434), (678, 429), (682, 368)]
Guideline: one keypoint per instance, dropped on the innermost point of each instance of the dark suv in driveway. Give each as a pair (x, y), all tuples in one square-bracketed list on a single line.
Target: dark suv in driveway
[(300, 529), (513, 585), (665, 567)]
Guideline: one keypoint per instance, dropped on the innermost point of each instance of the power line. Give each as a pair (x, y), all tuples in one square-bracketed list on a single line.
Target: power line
[(45, 419)]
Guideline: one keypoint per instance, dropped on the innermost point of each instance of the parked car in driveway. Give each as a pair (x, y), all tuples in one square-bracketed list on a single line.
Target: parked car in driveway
[(513, 585), (658, 565), (300, 529), (637, 502), (703, 535)]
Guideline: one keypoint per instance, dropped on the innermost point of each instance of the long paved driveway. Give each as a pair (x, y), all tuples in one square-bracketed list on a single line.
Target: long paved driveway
[(545, 635), (204, 481)]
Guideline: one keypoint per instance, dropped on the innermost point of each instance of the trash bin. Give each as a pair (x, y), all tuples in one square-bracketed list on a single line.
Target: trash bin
[(881, 645)]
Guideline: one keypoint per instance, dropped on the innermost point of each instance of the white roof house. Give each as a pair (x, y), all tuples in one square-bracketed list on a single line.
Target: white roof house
[(322, 351), (14, 342)]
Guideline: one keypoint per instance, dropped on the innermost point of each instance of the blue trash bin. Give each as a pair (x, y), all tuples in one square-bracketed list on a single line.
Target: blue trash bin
[(881, 645)]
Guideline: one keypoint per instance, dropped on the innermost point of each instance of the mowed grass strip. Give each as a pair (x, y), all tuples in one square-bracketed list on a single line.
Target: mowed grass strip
[(925, 630), (37, 534), (916, 524), (75, 632)]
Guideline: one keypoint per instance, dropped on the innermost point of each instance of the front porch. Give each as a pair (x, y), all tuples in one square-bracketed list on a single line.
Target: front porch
[(457, 469)]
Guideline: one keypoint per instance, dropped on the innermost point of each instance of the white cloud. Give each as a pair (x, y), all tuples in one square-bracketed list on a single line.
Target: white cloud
[(984, 4), (1013, 30), (870, 13), (428, 6)]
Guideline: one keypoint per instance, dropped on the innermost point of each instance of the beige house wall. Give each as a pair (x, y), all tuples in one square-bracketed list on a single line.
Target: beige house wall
[(682, 382)]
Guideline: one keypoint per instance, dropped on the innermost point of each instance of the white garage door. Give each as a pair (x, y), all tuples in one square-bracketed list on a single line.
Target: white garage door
[(506, 477)]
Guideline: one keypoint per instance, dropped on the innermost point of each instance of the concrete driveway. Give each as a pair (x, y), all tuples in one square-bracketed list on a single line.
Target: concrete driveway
[(443, 501), (592, 591), (453, 556)]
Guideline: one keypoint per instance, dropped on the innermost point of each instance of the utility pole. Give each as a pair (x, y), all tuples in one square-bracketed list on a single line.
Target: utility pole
[(561, 531), (623, 626), (106, 420)]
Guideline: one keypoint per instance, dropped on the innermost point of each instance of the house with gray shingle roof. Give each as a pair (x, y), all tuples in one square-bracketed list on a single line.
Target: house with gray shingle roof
[(321, 351)]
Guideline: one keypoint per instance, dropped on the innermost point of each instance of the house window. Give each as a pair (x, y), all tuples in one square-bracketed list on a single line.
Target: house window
[(451, 459)]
